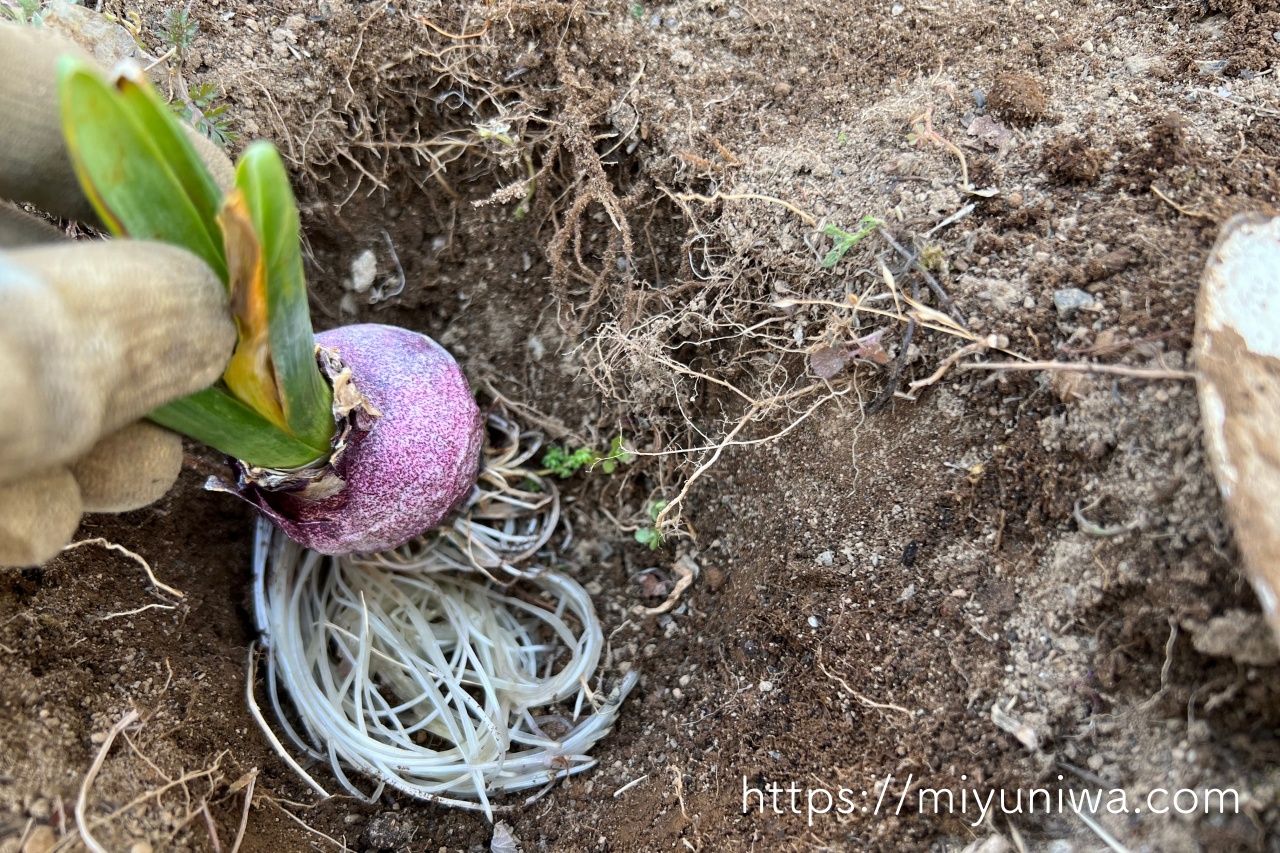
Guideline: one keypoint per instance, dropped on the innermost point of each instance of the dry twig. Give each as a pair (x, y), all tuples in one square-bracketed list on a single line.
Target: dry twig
[(111, 546), (87, 783), (1077, 367)]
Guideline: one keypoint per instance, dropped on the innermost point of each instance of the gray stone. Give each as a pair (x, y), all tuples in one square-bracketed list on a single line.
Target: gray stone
[(388, 831), (106, 40), (1071, 300)]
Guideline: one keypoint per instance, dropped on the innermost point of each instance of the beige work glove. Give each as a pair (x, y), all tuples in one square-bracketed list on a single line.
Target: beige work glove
[(93, 334)]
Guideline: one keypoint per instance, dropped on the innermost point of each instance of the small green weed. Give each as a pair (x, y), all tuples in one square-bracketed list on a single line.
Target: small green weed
[(26, 12), (208, 120), (651, 536), (845, 240), (565, 463), (178, 32)]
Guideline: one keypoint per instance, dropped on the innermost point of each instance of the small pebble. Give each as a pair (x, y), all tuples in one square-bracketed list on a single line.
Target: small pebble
[(897, 9), (766, 686), (1070, 300), (813, 622), (363, 271)]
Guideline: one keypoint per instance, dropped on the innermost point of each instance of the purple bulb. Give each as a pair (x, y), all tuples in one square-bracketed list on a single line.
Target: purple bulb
[(412, 466)]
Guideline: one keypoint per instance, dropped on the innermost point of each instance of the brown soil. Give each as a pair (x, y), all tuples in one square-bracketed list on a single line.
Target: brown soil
[(1013, 581)]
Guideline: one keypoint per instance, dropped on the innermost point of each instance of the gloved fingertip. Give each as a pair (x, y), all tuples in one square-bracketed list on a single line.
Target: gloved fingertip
[(215, 159), (38, 515), (129, 468)]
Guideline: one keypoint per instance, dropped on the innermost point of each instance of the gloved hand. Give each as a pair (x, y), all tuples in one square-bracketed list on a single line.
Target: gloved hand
[(93, 334)]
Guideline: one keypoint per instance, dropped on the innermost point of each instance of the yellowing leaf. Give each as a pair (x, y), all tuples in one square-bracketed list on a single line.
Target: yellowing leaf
[(251, 375)]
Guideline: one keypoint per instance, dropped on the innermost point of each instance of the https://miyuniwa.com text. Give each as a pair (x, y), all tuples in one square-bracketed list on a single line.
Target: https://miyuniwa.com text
[(975, 804)]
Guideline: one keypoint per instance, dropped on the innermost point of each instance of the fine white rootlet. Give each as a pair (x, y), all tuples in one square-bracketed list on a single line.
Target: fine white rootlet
[(416, 669)]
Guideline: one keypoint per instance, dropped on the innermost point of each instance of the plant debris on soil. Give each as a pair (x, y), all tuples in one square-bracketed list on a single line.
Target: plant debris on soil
[(619, 218)]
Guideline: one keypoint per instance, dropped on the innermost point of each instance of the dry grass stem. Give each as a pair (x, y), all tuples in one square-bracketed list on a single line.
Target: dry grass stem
[(879, 706), (244, 813), (1076, 367), (808, 218), (976, 347), (82, 801), (686, 580), (111, 546)]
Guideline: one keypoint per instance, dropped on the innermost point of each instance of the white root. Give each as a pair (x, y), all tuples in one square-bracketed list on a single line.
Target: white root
[(435, 669)]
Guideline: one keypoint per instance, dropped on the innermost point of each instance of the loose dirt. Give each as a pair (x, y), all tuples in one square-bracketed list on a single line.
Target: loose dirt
[(639, 219)]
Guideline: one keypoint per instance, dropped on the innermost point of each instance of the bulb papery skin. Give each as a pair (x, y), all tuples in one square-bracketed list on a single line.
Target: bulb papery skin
[(402, 470)]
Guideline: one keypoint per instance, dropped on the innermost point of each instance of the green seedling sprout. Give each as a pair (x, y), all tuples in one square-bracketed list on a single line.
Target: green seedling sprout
[(652, 536), (845, 240), (208, 120), (564, 463), (26, 12), (178, 31), (141, 173)]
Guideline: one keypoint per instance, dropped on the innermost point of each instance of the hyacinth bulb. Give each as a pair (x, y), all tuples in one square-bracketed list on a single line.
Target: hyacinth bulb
[(407, 451)]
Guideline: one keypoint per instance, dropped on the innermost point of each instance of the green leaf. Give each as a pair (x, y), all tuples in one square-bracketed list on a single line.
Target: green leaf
[(304, 395), (656, 508), (844, 241), (215, 418), (141, 173), (135, 163), (649, 536), (559, 461)]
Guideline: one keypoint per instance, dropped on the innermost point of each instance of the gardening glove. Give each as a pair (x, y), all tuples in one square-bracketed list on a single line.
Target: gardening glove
[(93, 335)]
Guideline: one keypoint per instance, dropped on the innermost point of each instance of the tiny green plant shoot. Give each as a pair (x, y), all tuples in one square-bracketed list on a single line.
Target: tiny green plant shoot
[(209, 120), (564, 463), (179, 31), (843, 240), (25, 12), (651, 535)]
